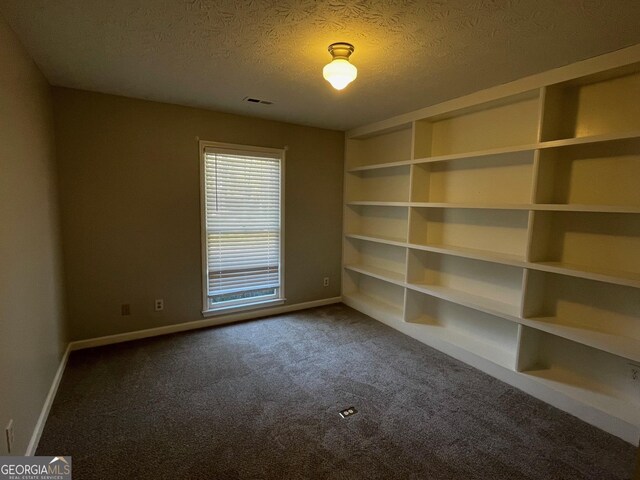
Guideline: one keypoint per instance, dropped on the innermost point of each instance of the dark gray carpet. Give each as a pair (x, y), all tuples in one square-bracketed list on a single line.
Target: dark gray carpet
[(259, 400)]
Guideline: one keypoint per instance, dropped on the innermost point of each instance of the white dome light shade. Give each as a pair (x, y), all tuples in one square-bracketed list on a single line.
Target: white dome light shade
[(340, 73)]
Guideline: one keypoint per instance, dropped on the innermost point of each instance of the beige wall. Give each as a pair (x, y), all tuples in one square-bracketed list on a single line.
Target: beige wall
[(129, 190), (31, 319)]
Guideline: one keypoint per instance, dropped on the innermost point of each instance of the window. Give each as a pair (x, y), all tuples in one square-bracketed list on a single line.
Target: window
[(241, 226)]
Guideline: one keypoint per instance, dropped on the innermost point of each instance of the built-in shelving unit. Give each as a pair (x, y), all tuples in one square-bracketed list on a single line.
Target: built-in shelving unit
[(505, 231)]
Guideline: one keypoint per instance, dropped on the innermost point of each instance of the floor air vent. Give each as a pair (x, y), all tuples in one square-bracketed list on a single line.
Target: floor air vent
[(347, 412)]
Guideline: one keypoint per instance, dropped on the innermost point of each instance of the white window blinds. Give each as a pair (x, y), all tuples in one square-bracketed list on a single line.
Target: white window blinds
[(243, 226)]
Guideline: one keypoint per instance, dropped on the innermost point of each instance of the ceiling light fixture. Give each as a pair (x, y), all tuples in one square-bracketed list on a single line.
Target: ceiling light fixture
[(340, 73)]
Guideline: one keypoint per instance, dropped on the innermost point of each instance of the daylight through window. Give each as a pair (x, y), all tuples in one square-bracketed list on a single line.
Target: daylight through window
[(242, 197)]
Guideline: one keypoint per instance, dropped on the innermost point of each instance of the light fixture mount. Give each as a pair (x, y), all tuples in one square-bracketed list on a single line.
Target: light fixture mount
[(340, 73), (341, 50)]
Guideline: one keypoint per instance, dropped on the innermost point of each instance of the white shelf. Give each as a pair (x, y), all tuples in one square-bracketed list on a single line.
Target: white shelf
[(586, 391), (455, 156), (565, 142), (614, 344), (506, 150), (590, 273), (529, 147), (379, 273), (584, 208), (386, 240), (515, 260), (373, 203), (479, 206), (477, 154), (381, 166), (531, 206), (486, 305)]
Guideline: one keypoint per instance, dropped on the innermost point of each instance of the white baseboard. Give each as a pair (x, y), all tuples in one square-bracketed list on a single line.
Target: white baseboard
[(207, 322), (44, 413)]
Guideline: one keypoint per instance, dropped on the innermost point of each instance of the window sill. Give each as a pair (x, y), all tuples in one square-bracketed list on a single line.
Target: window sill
[(240, 308)]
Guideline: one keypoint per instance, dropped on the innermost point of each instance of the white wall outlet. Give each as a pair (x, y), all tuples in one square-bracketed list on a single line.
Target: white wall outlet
[(159, 306), (9, 431), (325, 281)]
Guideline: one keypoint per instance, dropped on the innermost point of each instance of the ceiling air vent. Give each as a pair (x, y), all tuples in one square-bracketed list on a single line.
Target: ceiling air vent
[(257, 100)]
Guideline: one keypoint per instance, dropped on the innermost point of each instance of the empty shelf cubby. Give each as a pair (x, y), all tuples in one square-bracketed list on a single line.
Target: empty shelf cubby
[(383, 147), (602, 104), (484, 335), (387, 261), (593, 377), (372, 295), (506, 122), (381, 185), (503, 178), (384, 222), (594, 313), (493, 232), (598, 243), (601, 173), (484, 285)]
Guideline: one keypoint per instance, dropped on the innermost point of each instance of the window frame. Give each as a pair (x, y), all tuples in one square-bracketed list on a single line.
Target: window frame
[(239, 305)]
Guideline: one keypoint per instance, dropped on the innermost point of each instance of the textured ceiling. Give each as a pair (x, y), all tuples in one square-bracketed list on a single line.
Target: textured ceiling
[(409, 54)]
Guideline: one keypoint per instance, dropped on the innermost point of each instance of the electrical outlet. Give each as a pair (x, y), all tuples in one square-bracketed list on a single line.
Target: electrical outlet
[(159, 304), (9, 431), (325, 282), (125, 309)]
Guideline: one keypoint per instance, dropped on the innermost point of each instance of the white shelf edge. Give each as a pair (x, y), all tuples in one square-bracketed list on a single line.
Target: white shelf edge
[(568, 207), (379, 166), (379, 273), (476, 206), (609, 137), (552, 207), (385, 240), (616, 278), (549, 207), (478, 153), (373, 203), (473, 254), (618, 345)]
